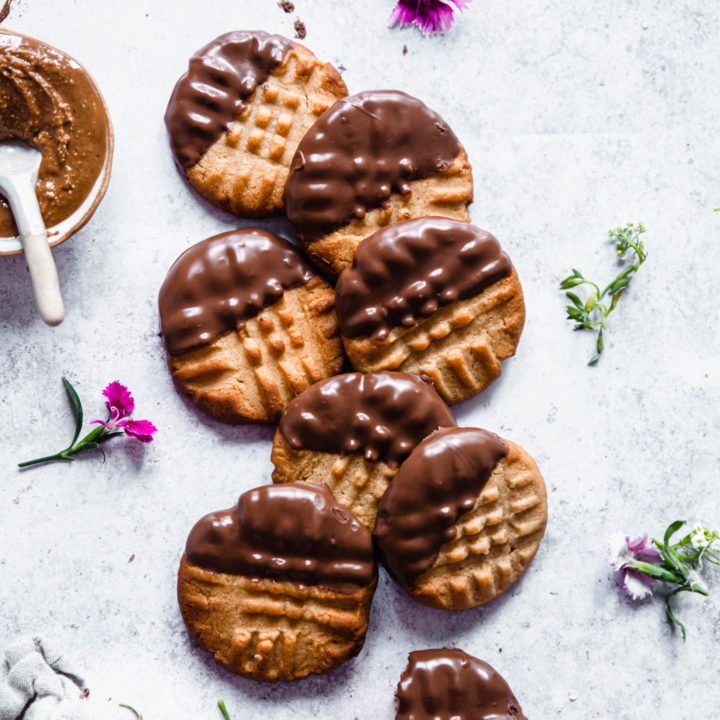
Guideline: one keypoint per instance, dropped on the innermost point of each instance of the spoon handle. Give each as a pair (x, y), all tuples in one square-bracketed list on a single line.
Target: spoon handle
[(43, 274)]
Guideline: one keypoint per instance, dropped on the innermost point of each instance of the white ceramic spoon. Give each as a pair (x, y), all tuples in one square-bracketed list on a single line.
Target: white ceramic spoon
[(19, 165)]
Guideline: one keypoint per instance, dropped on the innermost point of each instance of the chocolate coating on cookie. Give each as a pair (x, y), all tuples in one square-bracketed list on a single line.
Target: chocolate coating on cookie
[(214, 286), (381, 415), (361, 150), (410, 269), (449, 683), (210, 96), (439, 482), (294, 532)]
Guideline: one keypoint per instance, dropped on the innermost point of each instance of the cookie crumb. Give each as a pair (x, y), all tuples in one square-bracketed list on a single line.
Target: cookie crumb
[(132, 557), (500, 650), (85, 693), (300, 29), (286, 5), (5, 10), (404, 49)]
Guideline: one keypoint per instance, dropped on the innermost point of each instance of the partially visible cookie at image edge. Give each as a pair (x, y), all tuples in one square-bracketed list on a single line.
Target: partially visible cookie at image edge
[(432, 296), (280, 585), (353, 431), (247, 325), (237, 115), (373, 159), (462, 519), (449, 682)]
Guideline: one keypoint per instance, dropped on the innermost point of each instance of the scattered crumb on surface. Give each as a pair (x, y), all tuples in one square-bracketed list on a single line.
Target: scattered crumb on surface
[(300, 29), (286, 5), (132, 557), (404, 49), (85, 693)]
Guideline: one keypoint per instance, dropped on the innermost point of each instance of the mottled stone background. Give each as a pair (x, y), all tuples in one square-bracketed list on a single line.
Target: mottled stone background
[(577, 116)]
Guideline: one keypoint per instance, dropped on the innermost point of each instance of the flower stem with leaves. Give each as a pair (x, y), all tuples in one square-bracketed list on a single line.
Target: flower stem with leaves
[(120, 405), (592, 313), (676, 563)]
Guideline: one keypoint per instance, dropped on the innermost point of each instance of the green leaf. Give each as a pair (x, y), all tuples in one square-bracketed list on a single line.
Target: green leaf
[(670, 613), (616, 298), (129, 707), (672, 529), (594, 359), (577, 302), (600, 344), (77, 409), (656, 571), (571, 281), (590, 304)]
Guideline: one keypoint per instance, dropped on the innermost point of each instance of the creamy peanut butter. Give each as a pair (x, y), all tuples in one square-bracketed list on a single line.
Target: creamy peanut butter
[(48, 101)]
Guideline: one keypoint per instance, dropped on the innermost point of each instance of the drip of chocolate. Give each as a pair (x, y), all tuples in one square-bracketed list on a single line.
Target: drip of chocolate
[(361, 150), (449, 683), (296, 532), (410, 269), (382, 415), (216, 285), (439, 482), (210, 96)]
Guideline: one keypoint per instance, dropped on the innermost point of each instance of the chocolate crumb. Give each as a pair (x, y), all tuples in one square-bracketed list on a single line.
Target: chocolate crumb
[(499, 649), (404, 49), (5, 10), (132, 557), (300, 30), (159, 334), (286, 5), (85, 693)]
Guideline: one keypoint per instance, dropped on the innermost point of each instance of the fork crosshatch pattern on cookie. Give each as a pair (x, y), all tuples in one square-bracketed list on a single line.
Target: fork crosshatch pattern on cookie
[(236, 117)]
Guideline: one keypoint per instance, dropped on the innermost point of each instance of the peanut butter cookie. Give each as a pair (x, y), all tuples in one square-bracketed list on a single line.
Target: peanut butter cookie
[(353, 431), (236, 117), (449, 683), (247, 325), (373, 159), (434, 297), (280, 585), (462, 519)]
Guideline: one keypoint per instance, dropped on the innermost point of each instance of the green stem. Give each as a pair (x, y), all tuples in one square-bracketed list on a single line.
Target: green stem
[(91, 441), (221, 705)]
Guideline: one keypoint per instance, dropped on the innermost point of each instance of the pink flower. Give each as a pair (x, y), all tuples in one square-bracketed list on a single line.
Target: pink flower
[(120, 405), (626, 556), (431, 16), (120, 402)]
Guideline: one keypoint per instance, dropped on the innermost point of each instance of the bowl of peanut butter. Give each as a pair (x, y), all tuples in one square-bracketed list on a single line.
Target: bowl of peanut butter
[(50, 102)]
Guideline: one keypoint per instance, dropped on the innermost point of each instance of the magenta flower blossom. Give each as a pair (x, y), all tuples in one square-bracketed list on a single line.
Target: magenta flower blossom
[(626, 556), (120, 405), (432, 16)]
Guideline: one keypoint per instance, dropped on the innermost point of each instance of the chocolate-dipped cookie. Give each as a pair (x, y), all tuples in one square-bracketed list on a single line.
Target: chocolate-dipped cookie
[(462, 519), (448, 683), (237, 115), (373, 159), (353, 431), (280, 585), (432, 296), (247, 325)]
